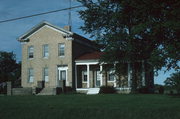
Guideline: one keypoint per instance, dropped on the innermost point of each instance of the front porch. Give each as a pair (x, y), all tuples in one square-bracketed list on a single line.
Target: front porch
[(90, 74)]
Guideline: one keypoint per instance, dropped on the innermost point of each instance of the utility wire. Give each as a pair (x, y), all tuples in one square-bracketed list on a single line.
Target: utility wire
[(39, 14)]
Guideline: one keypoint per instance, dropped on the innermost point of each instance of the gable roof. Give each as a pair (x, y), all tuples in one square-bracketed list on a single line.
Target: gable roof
[(68, 34), (40, 25)]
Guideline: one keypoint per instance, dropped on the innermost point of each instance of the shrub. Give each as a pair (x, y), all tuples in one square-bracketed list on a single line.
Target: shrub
[(3, 90), (58, 90), (143, 90), (68, 89), (107, 90)]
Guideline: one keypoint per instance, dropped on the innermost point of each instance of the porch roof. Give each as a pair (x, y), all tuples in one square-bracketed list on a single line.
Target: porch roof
[(90, 56)]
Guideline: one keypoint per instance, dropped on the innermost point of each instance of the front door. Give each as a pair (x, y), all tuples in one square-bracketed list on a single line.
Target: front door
[(62, 74)]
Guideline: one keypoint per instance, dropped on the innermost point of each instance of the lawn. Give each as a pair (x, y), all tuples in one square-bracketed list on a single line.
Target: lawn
[(112, 106)]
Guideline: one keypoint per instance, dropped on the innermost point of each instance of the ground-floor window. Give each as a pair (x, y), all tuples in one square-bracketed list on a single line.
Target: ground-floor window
[(111, 76), (84, 76), (46, 75), (30, 75)]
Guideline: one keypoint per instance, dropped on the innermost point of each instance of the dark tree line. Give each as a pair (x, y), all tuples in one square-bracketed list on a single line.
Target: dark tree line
[(10, 70)]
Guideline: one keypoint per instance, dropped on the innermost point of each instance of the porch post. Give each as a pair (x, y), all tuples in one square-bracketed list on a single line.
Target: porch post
[(101, 68), (115, 75), (129, 74), (88, 81), (75, 76), (143, 74)]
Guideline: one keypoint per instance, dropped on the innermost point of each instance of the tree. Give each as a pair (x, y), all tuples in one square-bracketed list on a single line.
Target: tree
[(9, 69), (174, 81), (135, 30)]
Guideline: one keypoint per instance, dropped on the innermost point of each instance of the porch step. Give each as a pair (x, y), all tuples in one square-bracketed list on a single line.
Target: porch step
[(47, 91), (92, 91)]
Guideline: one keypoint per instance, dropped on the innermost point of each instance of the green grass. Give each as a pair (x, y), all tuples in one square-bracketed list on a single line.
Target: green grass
[(78, 106)]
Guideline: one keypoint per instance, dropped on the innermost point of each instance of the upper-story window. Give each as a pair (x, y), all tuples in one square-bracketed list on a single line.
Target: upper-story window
[(46, 75), (61, 51), (31, 52), (45, 50), (30, 75)]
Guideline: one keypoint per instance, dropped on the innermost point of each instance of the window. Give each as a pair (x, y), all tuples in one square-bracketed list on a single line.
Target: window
[(46, 76), (45, 51), (84, 76), (31, 75), (61, 51), (111, 76), (30, 52)]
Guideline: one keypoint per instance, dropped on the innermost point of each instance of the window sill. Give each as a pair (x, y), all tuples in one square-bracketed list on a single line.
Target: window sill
[(111, 81), (45, 57), (30, 58), (61, 56)]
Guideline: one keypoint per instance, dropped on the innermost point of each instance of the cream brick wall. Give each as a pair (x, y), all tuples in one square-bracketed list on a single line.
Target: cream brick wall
[(46, 35)]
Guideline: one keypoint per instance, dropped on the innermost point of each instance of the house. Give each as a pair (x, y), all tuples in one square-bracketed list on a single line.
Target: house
[(52, 55)]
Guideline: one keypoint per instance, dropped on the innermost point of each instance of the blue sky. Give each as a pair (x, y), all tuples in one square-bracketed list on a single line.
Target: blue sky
[(10, 31)]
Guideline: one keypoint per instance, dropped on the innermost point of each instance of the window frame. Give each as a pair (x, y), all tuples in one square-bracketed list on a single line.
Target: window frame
[(46, 74), (111, 73), (30, 52), (44, 50), (83, 78), (30, 75), (60, 54)]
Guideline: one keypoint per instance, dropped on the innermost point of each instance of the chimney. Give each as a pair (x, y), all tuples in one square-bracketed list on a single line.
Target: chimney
[(68, 28)]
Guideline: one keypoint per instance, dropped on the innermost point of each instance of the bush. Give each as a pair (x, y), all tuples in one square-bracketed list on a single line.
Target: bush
[(107, 90), (58, 91), (143, 90), (68, 89), (3, 90)]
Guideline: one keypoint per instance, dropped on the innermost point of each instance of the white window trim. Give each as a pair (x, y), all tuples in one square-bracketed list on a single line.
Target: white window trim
[(110, 72), (62, 56), (28, 52), (44, 75), (45, 57), (30, 77)]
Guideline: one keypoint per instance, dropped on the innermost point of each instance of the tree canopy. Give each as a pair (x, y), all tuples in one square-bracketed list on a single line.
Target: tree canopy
[(135, 30), (9, 68), (174, 81)]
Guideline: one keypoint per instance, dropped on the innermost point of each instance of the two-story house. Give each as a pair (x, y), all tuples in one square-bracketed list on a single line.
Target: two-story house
[(51, 54)]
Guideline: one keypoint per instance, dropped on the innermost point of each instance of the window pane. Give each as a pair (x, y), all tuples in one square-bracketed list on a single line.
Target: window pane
[(61, 49), (111, 77), (46, 77), (30, 52), (84, 76), (46, 71), (45, 50), (31, 75)]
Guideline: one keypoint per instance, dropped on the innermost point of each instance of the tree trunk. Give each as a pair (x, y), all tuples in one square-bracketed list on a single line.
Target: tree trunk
[(134, 79), (106, 78)]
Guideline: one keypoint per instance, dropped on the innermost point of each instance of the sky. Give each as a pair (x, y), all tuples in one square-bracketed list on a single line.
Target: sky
[(10, 31)]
